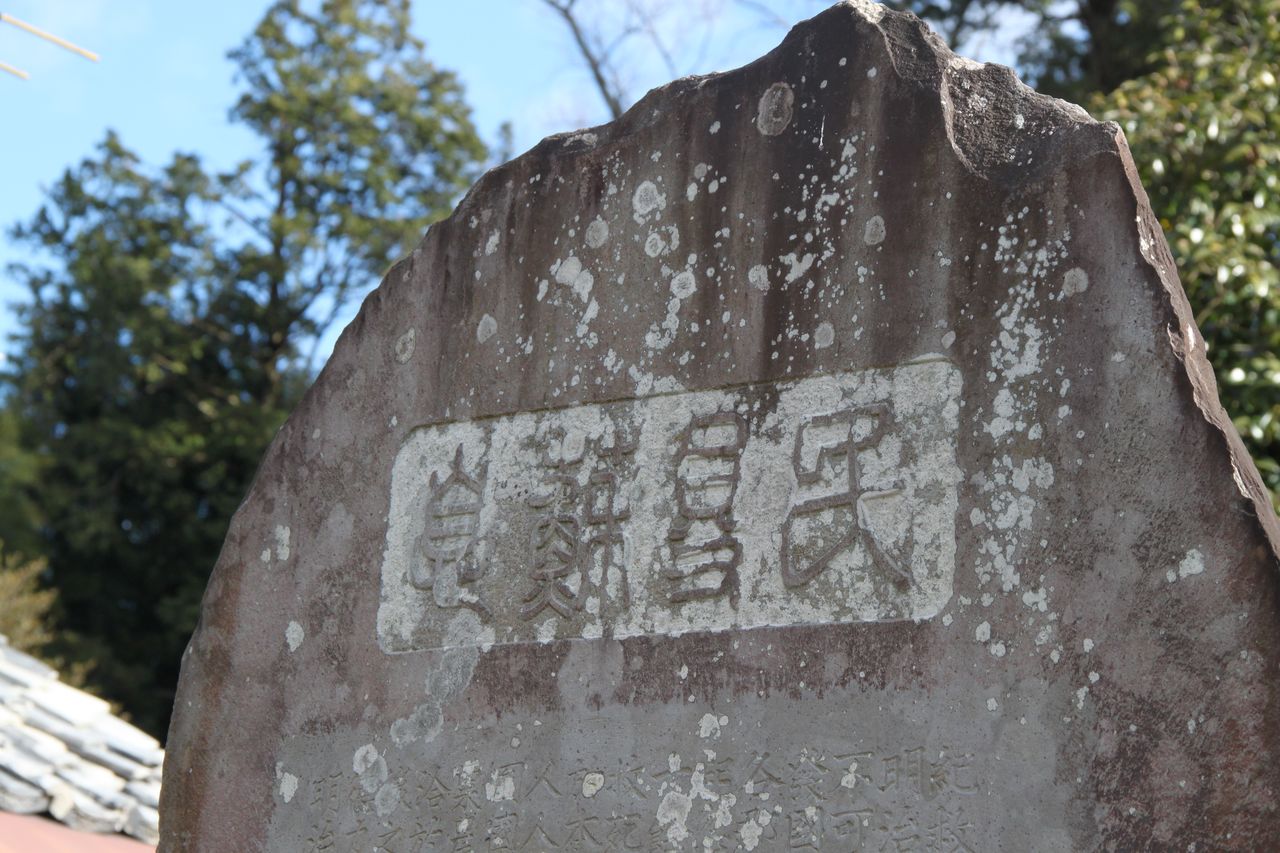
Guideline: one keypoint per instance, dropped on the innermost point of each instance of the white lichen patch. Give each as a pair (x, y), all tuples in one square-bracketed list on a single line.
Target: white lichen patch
[(500, 787), (673, 814), (797, 264), (683, 285), (1075, 281), (662, 241), (646, 201), (1012, 487), (753, 829), (282, 542), (294, 636), (364, 758), (1192, 564), (386, 799), (404, 345), (775, 108), (486, 328), (597, 233), (758, 277), (824, 336), (592, 783), (709, 726), (288, 786), (873, 232), (571, 273)]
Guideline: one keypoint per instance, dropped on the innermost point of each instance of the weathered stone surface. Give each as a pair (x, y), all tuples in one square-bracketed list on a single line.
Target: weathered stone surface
[(821, 456)]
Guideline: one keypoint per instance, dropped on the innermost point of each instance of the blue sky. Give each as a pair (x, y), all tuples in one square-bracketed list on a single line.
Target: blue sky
[(164, 83)]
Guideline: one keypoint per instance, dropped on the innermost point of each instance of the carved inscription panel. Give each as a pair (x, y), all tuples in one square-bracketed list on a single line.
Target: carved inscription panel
[(826, 499), (836, 794)]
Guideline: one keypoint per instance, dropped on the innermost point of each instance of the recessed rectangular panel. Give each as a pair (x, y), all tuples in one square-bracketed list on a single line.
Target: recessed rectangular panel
[(830, 499)]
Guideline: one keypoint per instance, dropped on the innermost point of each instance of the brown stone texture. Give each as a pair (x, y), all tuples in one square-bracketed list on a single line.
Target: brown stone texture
[(821, 456)]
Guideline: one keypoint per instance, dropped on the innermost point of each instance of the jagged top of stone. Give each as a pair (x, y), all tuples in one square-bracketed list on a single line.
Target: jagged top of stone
[(1000, 129)]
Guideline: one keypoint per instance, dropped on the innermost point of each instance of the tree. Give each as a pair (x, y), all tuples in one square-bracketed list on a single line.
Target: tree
[(365, 143), (1068, 48), (24, 619), (166, 336), (19, 474)]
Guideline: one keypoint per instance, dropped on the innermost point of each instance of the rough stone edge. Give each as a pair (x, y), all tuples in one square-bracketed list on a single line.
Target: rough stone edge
[(1189, 346), (920, 57), (902, 33)]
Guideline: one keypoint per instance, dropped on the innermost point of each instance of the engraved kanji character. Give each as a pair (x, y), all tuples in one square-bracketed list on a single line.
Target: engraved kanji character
[(857, 771), (393, 839), (804, 828), (557, 537), (906, 767), (501, 831), (541, 780), (434, 791), (625, 832), (464, 801), (446, 561), (538, 839), (904, 835), (952, 829), (606, 512), (325, 800), (850, 825), (811, 775), (763, 775), (952, 774), (586, 832), (462, 838), (718, 772), (839, 456), (426, 837), (638, 782), (705, 554)]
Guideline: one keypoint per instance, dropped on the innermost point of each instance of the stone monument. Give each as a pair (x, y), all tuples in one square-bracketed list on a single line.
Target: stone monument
[(822, 456)]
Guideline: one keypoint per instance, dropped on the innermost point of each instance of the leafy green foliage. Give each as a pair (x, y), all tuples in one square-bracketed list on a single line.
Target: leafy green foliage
[(1204, 127), (24, 618), (141, 389), (366, 141), (19, 477), (1070, 48), (165, 338)]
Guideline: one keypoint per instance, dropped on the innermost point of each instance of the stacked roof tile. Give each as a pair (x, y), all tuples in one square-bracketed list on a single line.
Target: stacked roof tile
[(62, 751)]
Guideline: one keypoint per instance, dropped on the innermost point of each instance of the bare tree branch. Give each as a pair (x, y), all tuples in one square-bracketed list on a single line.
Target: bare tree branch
[(766, 14), (646, 24), (597, 61)]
